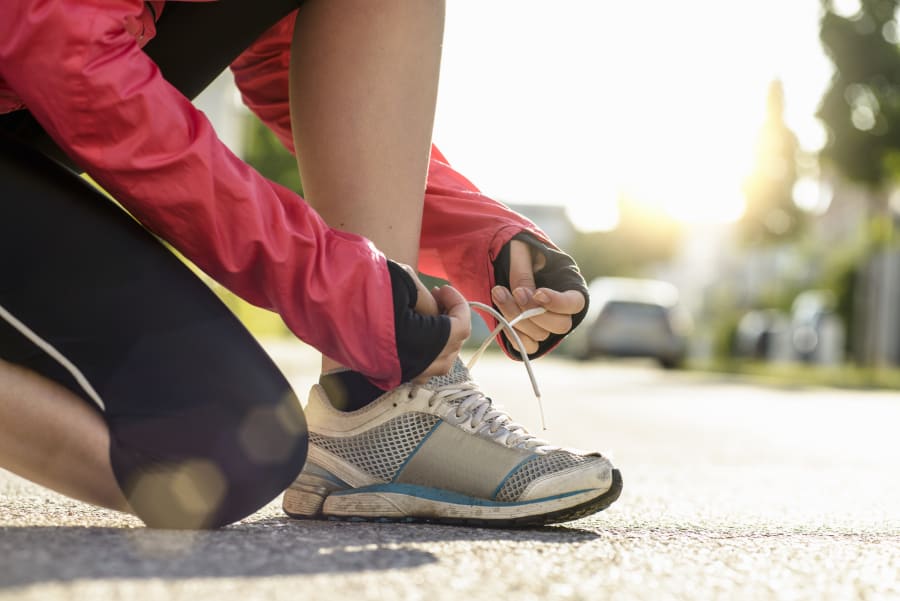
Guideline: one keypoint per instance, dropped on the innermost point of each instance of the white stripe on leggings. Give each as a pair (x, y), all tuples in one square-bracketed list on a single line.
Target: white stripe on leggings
[(50, 350)]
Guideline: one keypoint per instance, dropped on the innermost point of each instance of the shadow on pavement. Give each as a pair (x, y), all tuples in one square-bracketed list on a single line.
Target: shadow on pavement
[(269, 547)]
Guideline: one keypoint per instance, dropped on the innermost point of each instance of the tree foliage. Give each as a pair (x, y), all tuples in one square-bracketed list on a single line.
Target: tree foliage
[(861, 108), (264, 151)]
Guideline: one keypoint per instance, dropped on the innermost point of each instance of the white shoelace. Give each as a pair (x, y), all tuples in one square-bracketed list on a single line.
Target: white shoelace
[(473, 406)]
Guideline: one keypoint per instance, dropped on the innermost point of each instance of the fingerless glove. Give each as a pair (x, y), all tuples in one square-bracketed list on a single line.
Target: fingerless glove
[(420, 338), (559, 273)]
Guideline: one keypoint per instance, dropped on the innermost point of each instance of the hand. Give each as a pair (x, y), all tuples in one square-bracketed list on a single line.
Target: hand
[(525, 295), (450, 302), (426, 303)]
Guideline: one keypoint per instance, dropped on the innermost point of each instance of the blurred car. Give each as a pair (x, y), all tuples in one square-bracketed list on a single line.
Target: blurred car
[(632, 318), (817, 332), (763, 334), (812, 333)]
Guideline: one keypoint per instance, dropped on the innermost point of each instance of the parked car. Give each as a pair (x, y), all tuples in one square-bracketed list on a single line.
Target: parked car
[(817, 332), (811, 333), (632, 318), (763, 334)]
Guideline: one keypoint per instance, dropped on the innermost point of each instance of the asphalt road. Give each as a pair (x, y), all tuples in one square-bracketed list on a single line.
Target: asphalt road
[(732, 491)]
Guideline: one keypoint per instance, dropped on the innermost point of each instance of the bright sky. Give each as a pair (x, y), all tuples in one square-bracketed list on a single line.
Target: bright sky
[(576, 101)]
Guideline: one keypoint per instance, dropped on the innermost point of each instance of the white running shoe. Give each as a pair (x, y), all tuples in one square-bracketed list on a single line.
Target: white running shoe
[(441, 452)]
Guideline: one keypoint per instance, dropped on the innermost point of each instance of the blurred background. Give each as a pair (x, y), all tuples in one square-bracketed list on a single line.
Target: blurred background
[(725, 174)]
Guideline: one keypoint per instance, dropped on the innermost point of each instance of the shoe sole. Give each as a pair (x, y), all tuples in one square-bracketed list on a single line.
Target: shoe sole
[(302, 502)]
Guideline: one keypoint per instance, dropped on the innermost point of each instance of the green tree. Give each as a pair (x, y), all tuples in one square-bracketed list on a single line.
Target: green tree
[(266, 154), (771, 214), (861, 108), (861, 111)]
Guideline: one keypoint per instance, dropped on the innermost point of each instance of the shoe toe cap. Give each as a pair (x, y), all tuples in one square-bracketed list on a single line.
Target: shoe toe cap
[(594, 475)]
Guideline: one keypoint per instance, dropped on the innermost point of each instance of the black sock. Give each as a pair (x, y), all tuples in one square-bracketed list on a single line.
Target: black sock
[(349, 390)]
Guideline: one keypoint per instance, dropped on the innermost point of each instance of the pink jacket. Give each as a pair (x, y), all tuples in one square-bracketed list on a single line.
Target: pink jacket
[(77, 65)]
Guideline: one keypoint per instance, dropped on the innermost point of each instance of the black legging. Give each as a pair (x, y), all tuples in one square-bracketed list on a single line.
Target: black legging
[(204, 428)]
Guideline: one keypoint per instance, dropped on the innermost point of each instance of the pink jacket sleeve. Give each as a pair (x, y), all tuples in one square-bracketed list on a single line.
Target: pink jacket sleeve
[(462, 230), (83, 76)]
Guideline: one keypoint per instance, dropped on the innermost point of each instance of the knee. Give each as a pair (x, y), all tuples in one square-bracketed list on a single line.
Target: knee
[(209, 470)]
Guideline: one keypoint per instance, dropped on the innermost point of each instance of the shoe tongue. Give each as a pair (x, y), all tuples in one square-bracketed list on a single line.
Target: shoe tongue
[(458, 375)]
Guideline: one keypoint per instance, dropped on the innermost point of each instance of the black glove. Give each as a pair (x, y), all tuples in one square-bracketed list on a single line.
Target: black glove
[(559, 273), (420, 338)]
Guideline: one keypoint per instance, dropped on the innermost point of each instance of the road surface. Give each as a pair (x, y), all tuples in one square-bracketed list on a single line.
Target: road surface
[(732, 491)]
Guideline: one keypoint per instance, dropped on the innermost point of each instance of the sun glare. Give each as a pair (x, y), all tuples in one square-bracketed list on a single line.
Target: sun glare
[(659, 101)]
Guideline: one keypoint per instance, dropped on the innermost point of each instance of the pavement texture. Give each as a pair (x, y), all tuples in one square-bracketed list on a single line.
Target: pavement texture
[(732, 491)]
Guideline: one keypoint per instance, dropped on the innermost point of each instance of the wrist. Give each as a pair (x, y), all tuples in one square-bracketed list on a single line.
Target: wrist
[(419, 338)]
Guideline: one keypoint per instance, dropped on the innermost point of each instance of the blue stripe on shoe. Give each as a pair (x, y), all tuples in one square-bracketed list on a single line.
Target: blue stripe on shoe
[(315, 470), (446, 496), (509, 475), (416, 450)]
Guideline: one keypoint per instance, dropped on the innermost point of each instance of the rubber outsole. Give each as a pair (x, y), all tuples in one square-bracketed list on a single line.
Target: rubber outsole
[(564, 515)]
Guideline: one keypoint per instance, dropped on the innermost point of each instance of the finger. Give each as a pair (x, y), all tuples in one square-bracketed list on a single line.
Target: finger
[(528, 332), (451, 302), (555, 323), (425, 301), (454, 305), (569, 302), (521, 270), (511, 307), (531, 345)]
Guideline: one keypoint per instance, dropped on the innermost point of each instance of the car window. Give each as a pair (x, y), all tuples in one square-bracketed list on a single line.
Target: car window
[(636, 311)]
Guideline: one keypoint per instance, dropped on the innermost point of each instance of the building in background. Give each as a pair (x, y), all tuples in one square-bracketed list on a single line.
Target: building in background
[(553, 219)]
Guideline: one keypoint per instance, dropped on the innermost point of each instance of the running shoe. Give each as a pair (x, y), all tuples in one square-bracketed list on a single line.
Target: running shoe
[(441, 452)]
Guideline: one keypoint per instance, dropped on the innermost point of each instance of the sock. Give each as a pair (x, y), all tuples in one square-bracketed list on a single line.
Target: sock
[(349, 390)]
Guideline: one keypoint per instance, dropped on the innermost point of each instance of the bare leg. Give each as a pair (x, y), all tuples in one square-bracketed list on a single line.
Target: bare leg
[(51, 437), (364, 79)]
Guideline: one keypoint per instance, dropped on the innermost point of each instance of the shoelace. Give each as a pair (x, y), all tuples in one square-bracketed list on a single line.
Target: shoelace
[(472, 405)]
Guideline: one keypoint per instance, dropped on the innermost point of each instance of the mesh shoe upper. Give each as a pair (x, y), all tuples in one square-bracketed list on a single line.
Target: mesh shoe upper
[(447, 435), (384, 449)]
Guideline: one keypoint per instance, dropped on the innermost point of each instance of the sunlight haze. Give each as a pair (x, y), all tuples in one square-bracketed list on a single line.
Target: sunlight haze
[(581, 101)]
